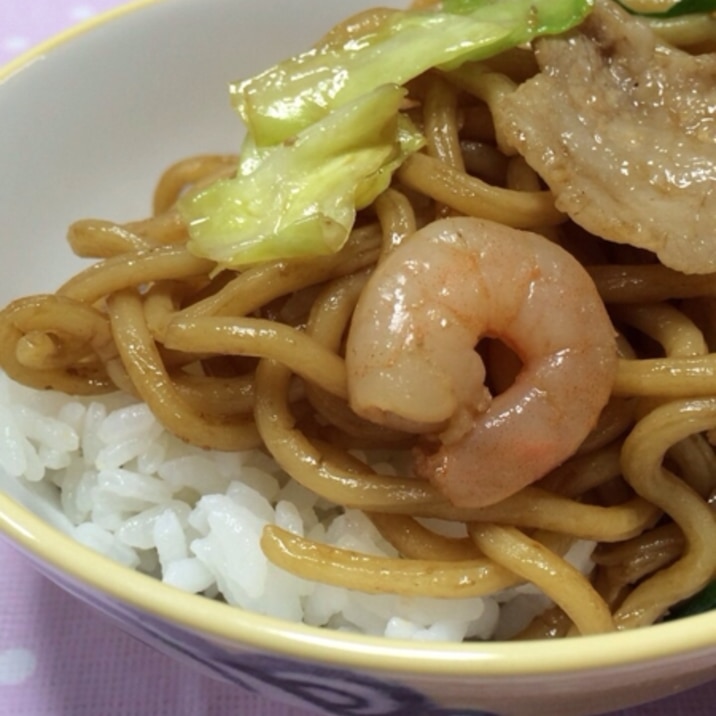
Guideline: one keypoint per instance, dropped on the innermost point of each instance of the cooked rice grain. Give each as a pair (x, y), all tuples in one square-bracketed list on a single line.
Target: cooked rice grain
[(122, 485)]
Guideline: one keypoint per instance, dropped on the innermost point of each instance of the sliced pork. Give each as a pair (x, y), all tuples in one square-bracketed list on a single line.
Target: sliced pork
[(622, 128)]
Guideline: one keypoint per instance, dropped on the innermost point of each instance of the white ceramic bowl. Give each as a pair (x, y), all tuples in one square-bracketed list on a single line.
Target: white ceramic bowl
[(87, 122)]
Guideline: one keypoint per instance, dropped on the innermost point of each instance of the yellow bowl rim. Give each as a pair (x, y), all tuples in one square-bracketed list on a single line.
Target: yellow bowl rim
[(229, 624)]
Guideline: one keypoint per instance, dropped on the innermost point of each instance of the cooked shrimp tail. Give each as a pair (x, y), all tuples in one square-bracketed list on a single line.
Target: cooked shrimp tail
[(412, 360)]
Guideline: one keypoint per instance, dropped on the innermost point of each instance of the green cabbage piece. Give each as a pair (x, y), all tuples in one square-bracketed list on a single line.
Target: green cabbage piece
[(325, 131), (295, 93), (301, 198)]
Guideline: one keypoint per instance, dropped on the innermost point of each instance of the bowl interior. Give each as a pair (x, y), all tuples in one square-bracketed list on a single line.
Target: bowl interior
[(86, 127), (89, 124)]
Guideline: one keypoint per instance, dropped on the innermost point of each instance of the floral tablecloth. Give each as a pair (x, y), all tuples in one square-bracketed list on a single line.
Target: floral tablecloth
[(60, 658)]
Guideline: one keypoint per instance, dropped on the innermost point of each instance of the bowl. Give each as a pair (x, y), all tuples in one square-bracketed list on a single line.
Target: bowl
[(87, 123)]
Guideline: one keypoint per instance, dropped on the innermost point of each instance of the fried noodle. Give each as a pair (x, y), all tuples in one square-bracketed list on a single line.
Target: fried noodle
[(238, 359)]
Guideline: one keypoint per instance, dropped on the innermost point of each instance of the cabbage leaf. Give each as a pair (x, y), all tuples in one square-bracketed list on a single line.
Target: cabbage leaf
[(297, 92), (301, 198), (326, 130)]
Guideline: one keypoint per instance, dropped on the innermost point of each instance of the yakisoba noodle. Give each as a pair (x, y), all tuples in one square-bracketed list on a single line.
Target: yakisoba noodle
[(250, 358)]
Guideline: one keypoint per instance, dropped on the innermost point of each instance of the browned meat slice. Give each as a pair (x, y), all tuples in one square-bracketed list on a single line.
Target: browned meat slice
[(623, 129)]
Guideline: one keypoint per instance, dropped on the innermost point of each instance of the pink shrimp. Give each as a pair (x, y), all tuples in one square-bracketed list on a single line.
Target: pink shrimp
[(412, 362)]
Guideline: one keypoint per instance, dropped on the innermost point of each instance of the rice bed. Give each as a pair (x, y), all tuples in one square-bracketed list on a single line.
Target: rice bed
[(107, 472)]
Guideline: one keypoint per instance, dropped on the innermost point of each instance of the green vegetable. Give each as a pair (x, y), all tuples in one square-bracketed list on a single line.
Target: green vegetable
[(325, 131), (704, 601), (297, 92), (685, 7), (301, 198)]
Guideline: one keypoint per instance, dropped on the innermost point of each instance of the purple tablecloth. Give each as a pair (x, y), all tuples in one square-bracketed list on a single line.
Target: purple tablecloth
[(60, 658)]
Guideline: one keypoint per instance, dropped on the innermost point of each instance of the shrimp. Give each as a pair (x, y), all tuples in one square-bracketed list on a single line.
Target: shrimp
[(412, 362)]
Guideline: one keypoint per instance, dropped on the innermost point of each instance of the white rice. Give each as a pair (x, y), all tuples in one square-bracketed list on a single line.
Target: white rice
[(106, 472)]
